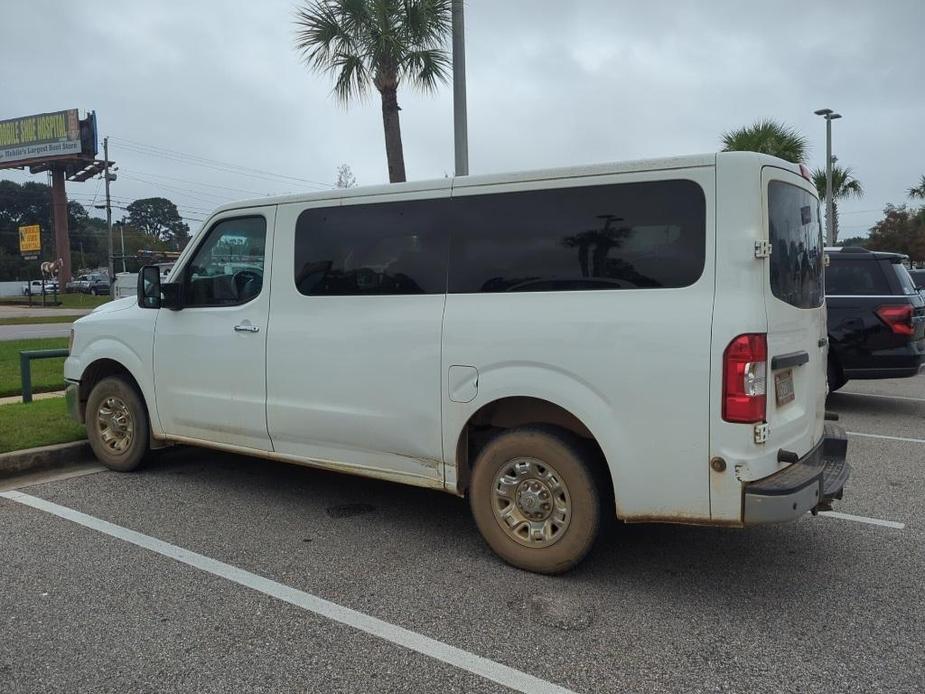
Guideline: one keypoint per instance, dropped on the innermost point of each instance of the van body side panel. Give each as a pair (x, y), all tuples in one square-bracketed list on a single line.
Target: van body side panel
[(628, 363), (354, 379)]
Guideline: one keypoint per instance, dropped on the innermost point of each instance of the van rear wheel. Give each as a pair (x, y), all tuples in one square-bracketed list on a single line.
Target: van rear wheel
[(535, 499), (117, 424)]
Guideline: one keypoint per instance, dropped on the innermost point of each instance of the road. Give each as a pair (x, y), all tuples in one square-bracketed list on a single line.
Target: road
[(28, 332), (823, 604)]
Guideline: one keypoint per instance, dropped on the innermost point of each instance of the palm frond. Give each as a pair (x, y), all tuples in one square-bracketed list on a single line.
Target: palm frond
[(352, 76), (918, 191), (427, 69), (767, 137)]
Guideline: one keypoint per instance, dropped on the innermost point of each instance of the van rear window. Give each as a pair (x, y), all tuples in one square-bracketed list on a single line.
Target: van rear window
[(797, 250)]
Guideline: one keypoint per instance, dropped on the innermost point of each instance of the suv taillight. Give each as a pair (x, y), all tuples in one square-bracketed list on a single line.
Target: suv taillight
[(899, 318), (745, 368)]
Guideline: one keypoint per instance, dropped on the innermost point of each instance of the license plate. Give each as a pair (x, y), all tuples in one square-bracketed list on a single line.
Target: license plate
[(783, 387)]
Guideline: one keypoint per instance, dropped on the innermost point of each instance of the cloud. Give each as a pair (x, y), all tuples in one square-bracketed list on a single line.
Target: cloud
[(549, 83)]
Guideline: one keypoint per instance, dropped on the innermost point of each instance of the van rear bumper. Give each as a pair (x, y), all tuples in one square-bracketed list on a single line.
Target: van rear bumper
[(809, 484)]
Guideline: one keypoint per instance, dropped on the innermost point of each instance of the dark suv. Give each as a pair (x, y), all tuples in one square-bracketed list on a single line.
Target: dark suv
[(876, 316)]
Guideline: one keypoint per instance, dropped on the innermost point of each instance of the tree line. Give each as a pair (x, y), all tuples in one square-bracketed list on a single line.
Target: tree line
[(149, 224)]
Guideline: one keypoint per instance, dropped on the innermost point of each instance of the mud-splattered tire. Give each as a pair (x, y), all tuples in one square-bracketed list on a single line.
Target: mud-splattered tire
[(535, 498), (117, 424)]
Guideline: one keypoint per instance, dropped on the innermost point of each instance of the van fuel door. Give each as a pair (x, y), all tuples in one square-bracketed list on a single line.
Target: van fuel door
[(462, 383)]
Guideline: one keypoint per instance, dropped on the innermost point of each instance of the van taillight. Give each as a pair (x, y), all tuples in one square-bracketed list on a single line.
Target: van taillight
[(899, 318), (745, 368)]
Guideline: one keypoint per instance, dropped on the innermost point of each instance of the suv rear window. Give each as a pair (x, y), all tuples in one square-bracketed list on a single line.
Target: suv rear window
[(855, 277), (795, 233)]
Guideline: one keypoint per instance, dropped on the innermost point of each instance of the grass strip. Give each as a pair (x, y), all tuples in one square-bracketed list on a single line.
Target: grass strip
[(39, 423)]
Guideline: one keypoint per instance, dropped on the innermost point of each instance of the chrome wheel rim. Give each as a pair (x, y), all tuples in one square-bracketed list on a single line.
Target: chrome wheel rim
[(531, 502), (115, 425)]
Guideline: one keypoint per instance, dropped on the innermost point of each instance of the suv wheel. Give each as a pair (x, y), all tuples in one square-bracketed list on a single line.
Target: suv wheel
[(93, 291), (117, 424), (535, 499)]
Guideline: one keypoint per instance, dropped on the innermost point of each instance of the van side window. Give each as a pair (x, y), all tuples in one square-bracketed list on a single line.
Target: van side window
[(620, 236), (227, 268), (385, 248)]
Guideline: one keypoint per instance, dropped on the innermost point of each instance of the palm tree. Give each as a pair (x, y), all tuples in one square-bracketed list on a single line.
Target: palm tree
[(767, 137), (844, 186), (379, 43), (919, 190)]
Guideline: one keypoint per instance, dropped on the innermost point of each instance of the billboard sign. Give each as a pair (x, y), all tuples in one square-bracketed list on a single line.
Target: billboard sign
[(40, 137), (30, 241)]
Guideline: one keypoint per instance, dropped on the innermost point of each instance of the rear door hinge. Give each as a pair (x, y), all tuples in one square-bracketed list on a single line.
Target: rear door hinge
[(762, 249), (761, 432)]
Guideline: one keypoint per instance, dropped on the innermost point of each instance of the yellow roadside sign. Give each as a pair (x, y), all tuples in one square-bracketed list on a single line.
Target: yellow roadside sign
[(30, 239)]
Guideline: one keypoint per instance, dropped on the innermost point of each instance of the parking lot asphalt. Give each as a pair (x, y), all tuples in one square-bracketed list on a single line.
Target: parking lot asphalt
[(820, 605)]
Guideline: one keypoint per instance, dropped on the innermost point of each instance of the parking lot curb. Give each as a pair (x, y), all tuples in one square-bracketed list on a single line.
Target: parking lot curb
[(57, 455)]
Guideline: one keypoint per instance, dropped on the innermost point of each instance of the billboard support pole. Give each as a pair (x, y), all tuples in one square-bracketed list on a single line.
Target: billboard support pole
[(62, 239)]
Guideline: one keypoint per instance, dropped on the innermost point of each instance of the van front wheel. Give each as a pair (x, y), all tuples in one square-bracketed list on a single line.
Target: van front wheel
[(117, 424), (535, 499)]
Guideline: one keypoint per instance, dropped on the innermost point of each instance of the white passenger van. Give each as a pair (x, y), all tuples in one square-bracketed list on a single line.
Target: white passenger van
[(644, 339)]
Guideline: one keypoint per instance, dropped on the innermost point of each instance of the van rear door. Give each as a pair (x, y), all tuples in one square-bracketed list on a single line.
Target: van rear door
[(794, 299)]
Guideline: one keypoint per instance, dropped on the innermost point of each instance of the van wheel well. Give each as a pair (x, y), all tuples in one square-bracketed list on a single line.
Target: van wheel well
[(96, 372), (507, 413)]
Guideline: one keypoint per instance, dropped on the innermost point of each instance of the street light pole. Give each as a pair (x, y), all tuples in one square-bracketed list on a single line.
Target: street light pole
[(460, 126), (829, 116), (112, 270)]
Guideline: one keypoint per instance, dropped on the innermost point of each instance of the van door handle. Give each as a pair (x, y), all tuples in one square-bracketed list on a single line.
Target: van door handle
[(246, 328), (789, 360)]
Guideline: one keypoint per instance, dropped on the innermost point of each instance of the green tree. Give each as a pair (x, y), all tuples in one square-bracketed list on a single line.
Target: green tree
[(767, 137), (30, 203), (901, 231), (158, 218), (854, 241), (844, 186), (345, 177), (918, 191), (379, 43)]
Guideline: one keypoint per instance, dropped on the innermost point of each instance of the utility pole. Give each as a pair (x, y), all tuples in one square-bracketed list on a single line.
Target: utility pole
[(106, 178), (460, 126), (829, 116)]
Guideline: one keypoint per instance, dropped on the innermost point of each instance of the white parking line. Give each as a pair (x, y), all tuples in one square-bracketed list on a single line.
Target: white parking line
[(477, 665), (863, 519), (888, 397), (889, 438)]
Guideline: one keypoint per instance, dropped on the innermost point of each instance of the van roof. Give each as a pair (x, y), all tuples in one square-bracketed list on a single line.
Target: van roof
[(639, 165)]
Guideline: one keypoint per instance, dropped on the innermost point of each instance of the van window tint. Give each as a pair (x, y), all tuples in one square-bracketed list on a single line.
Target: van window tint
[(228, 267), (854, 277), (386, 248), (623, 236), (795, 232)]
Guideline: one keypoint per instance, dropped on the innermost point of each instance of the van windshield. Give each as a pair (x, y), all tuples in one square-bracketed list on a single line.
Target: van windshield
[(796, 239)]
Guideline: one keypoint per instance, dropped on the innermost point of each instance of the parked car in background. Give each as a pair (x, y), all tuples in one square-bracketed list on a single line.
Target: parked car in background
[(96, 283), (78, 284), (918, 277), (876, 317), (34, 287)]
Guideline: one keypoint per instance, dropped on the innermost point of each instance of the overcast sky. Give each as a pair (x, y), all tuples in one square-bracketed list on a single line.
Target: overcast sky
[(549, 83)]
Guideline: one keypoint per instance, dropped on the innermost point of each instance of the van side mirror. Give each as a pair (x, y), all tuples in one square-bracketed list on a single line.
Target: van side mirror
[(149, 287), (154, 294)]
